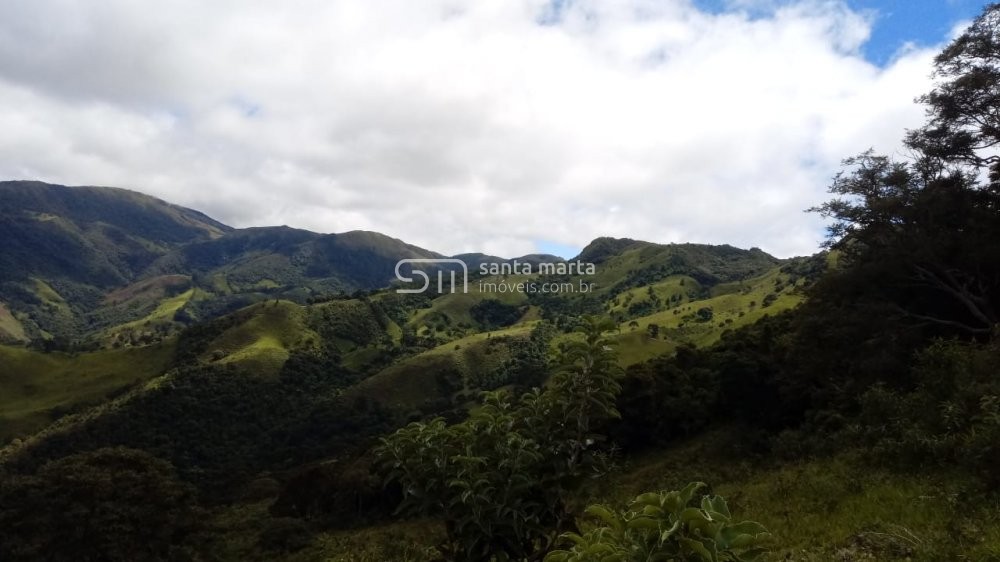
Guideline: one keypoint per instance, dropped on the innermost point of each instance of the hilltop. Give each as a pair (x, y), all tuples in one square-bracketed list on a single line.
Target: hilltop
[(113, 278)]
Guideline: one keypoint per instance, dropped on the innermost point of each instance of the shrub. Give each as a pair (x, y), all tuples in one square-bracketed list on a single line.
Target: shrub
[(704, 314), (951, 416), (493, 314), (667, 526), (500, 479)]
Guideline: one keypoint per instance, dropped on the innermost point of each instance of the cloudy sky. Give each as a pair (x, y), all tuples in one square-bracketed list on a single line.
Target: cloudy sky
[(503, 126)]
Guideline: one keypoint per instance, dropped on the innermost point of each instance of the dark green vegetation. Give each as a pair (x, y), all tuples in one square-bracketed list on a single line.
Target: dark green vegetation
[(848, 403), (666, 526), (502, 478), (109, 504), (413, 353)]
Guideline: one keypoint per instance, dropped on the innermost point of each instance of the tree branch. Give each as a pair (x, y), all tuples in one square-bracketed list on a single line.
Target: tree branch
[(943, 322), (977, 305)]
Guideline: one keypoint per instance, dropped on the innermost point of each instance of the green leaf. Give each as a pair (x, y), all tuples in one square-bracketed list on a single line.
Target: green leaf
[(688, 492), (665, 535), (649, 498), (716, 504), (700, 549), (646, 523), (605, 515), (742, 535)]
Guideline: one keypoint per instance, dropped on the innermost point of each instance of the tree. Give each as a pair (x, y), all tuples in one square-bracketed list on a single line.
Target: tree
[(926, 227), (963, 122), (108, 504), (501, 479), (654, 330)]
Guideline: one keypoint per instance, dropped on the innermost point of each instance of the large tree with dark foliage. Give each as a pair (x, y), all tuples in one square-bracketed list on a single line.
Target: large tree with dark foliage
[(964, 108), (916, 257), (929, 225)]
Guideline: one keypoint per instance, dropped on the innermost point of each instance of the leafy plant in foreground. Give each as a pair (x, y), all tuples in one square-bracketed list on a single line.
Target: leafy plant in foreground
[(666, 526), (501, 479)]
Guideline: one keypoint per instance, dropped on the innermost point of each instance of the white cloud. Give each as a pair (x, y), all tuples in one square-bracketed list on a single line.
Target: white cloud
[(457, 126)]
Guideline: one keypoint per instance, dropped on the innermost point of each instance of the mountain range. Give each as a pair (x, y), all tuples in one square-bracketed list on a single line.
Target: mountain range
[(79, 263), (104, 289)]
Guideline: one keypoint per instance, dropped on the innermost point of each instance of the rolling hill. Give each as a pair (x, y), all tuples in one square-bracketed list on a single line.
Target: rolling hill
[(119, 288), (244, 353), (410, 353), (100, 267)]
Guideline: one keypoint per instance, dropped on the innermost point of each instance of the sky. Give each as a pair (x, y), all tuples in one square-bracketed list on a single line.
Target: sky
[(500, 126)]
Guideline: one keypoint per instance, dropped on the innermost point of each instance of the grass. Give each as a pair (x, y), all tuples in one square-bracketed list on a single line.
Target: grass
[(360, 359), (36, 387), (163, 313), (413, 382), (520, 329), (220, 284), (834, 509), (10, 327), (456, 306), (242, 525), (839, 508), (733, 305), (168, 307), (675, 286), (47, 294), (404, 541), (151, 289), (409, 384), (262, 343), (636, 346)]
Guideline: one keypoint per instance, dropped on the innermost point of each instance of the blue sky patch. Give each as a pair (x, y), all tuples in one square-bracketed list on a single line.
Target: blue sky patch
[(897, 22), (556, 249)]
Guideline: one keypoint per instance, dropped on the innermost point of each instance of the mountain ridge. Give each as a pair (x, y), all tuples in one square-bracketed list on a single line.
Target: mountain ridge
[(108, 265)]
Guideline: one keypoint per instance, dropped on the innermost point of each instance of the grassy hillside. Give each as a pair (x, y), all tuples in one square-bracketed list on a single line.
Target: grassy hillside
[(624, 264), (700, 321), (37, 388), (11, 330), (413, 354), (263, 342), (82, 243), (445, 375), (274, 367), (836, 508), (103, 268), (84, 266), (429, 354)]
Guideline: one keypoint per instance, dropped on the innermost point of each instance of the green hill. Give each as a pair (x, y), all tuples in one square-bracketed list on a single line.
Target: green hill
[(239, 352), (96, 267), (99, 266), (66, 247), (410, 353), (38, 388)]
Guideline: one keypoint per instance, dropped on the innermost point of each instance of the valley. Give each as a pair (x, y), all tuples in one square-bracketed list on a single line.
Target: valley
[(173, 388)]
